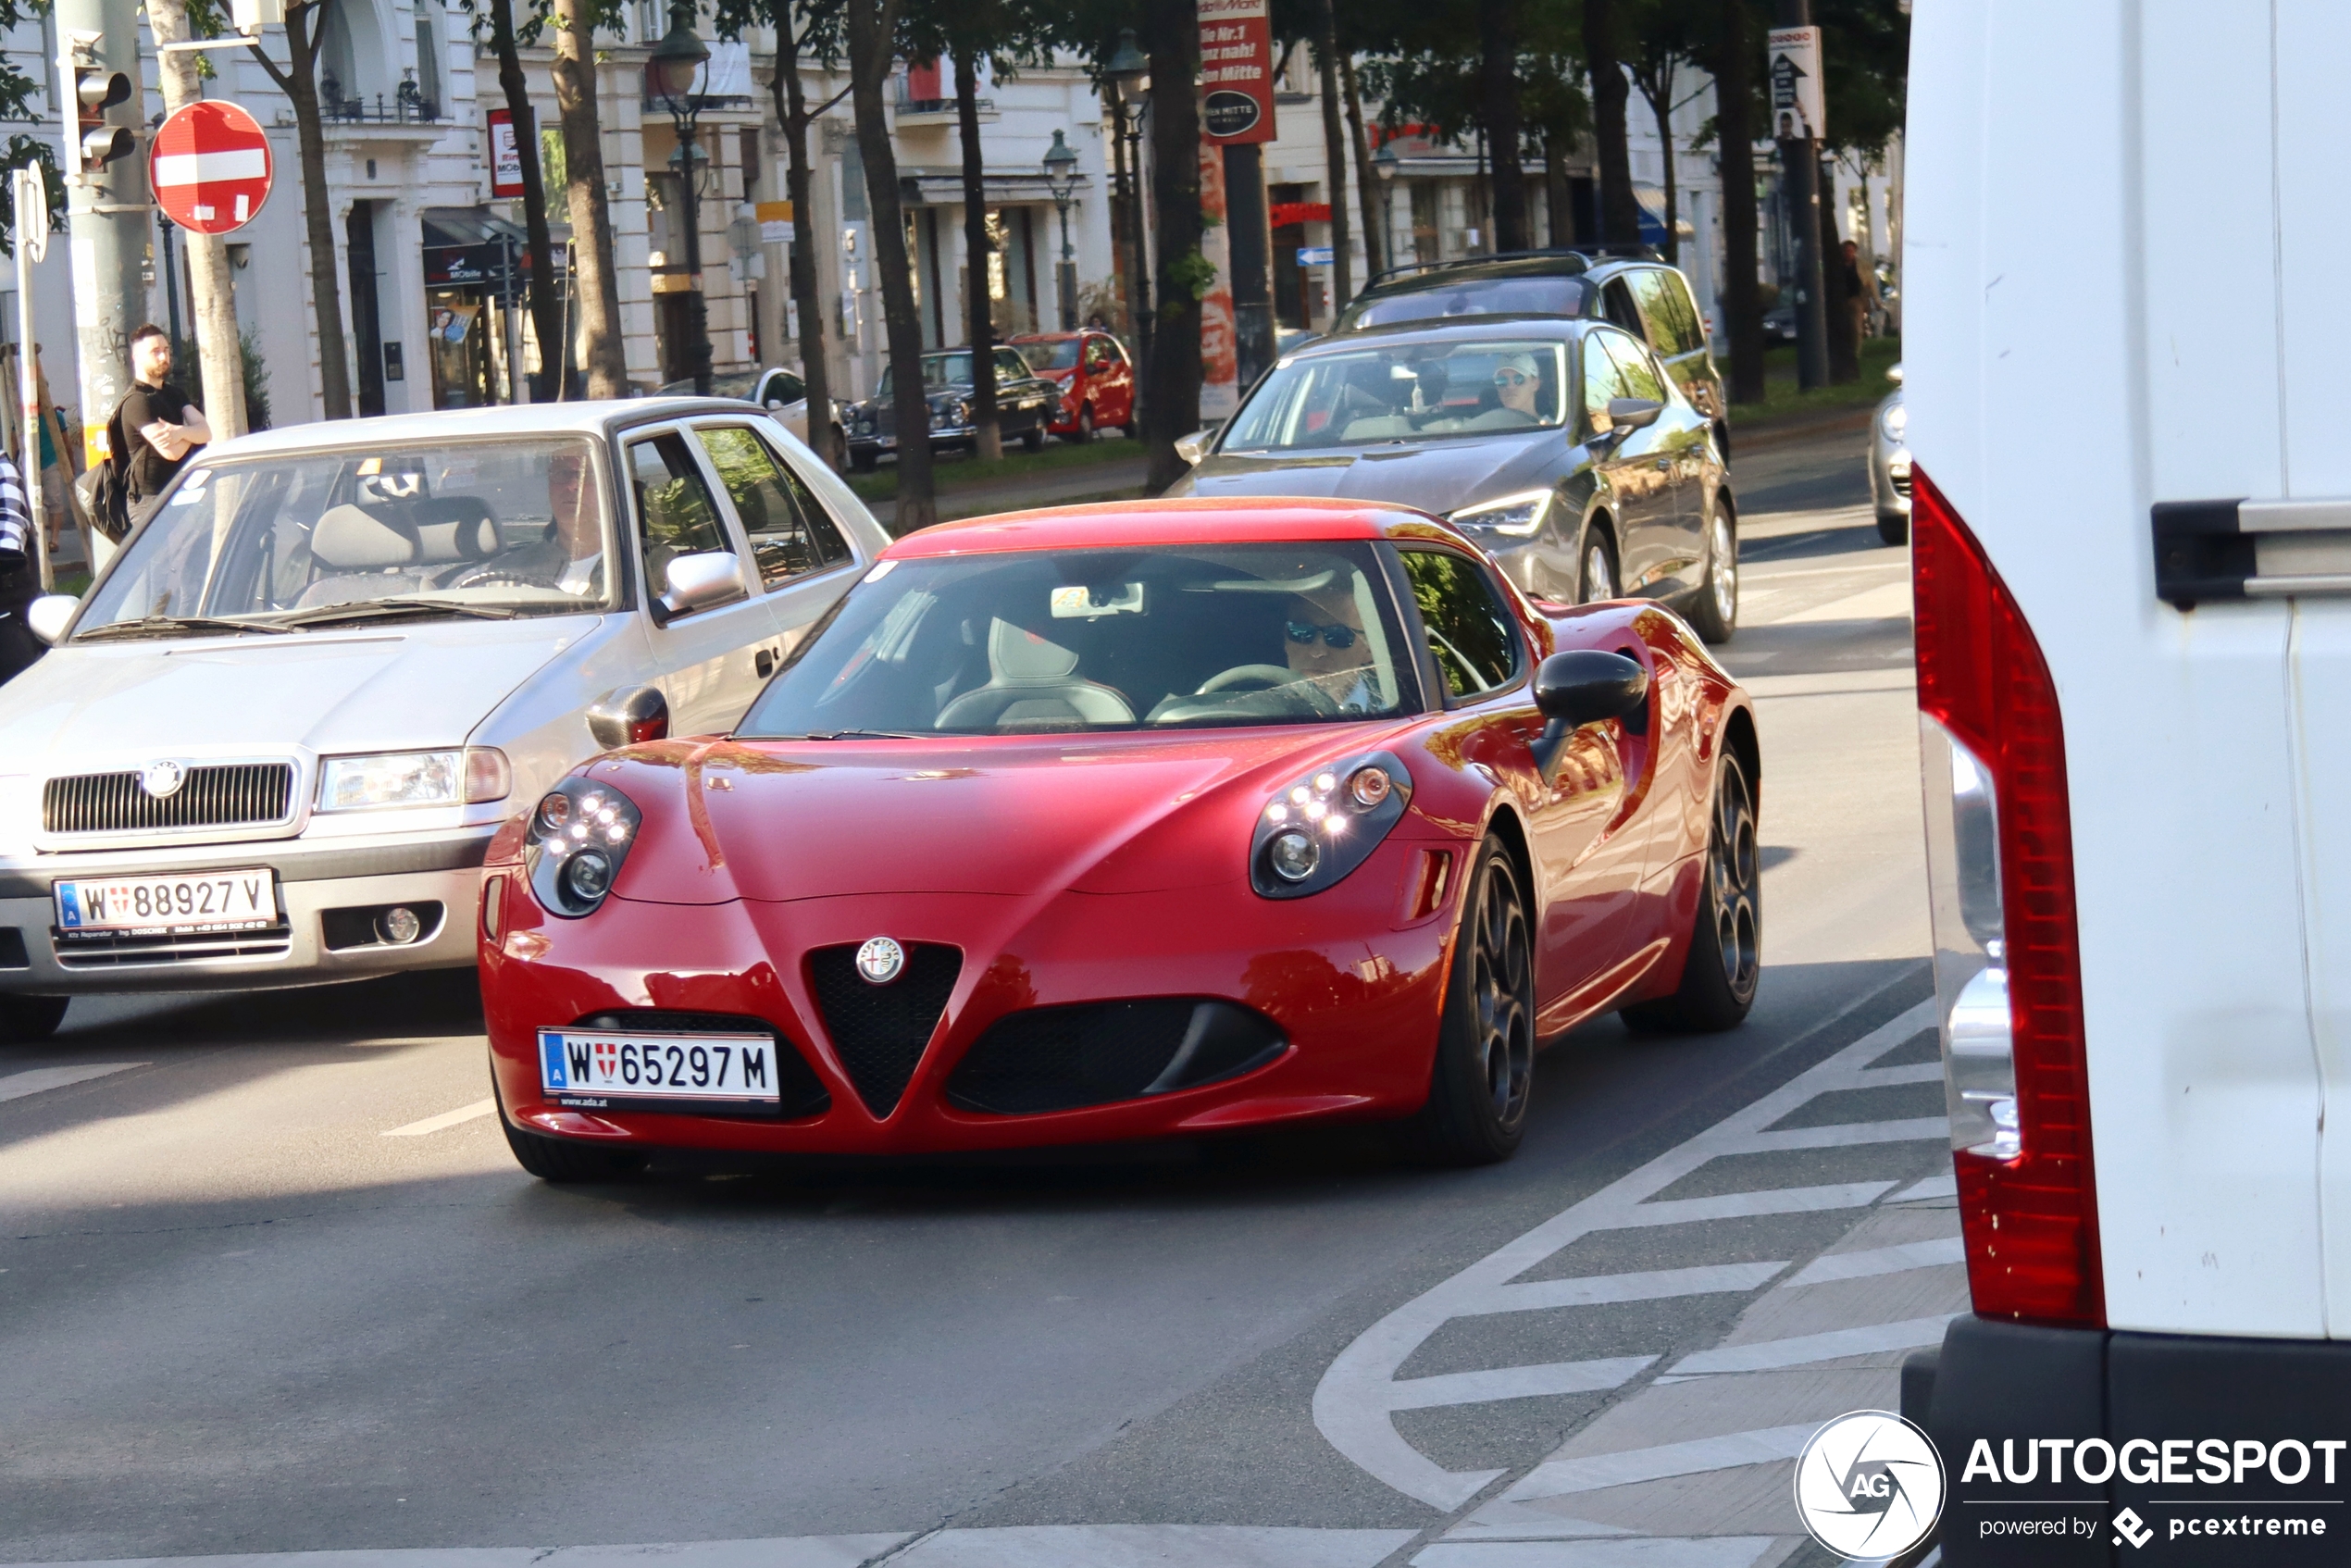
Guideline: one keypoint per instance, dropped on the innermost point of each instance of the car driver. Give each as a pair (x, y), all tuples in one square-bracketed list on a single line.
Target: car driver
[(1324, 641), (1517, 382)]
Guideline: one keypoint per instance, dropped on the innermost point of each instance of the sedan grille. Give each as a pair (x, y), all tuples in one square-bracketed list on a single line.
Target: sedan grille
[(880, 1032), (1902, 478), (232, 796), (1062, 1058)]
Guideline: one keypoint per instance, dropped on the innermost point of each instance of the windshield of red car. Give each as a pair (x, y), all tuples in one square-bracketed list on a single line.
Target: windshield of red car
[(1045, 641), (1059, 355)]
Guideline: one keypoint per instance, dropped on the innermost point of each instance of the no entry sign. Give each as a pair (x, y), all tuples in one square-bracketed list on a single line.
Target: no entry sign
[(210, 166)]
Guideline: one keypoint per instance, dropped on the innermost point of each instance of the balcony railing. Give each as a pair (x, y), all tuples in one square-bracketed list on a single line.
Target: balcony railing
[(407, 105)]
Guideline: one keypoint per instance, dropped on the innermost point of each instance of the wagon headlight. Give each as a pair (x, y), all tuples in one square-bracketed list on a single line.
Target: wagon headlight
[(390, 780), (581, 833), (1516, 516), (1316, 829)]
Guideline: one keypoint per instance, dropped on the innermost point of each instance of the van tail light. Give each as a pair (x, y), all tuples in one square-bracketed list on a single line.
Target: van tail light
[(2007, 962)]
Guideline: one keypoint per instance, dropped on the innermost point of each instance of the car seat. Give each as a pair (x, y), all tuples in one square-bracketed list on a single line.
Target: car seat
[(363, 554), (1030, 686)]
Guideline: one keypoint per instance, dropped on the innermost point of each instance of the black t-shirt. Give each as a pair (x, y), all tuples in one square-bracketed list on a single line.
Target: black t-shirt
[(143, 406)]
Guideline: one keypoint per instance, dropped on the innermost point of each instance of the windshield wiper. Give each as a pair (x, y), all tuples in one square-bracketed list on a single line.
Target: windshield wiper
[(384, 609), (841, 735), (170, 625)]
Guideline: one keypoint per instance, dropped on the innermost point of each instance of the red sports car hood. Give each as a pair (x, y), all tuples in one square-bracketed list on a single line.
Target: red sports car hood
[(1011, 816)]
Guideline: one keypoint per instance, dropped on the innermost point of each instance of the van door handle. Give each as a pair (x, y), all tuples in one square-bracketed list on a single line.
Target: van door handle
[(764, 661)]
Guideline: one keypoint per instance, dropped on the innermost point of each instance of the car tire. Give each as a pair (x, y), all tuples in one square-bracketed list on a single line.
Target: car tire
[(1033, 438), (838, 456), (1596, 577), (561, 1161), (1084, 434), (1484, 1073), (865, 462), (1715, 613), (26, 1020), (1130, 429), (1894, 528), (1724, 964)]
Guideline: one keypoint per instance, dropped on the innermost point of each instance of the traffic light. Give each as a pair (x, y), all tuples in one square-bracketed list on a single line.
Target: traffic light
[(96, 90)]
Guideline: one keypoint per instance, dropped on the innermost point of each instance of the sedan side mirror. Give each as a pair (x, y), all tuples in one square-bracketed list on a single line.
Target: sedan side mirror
[(1584, 686), (1194, 447), (700, 580), (629, 716), (1632, 413), (50, 615)]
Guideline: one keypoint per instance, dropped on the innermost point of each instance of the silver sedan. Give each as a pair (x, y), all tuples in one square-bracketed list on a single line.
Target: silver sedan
[(1890, 464)]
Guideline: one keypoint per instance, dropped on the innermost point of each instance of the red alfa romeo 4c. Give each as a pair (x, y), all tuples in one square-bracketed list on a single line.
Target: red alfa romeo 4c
[(1164, 818)]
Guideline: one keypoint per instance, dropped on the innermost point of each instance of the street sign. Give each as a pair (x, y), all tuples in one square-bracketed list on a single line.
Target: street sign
[(33, 212), (1315, 256), (210, 166), (1235, 71), (1792, 64), (505, 157)]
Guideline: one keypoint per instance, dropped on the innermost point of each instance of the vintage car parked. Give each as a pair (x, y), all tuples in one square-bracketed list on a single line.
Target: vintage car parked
[(1095, 378), (1025, 404), (271, 745)]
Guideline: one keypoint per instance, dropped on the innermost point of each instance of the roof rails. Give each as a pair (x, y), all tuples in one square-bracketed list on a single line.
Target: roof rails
[(1612, 251)]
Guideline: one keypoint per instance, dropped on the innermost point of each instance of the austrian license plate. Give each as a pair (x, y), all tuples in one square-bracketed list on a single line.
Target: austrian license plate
[(727, 1074), (195, 904)]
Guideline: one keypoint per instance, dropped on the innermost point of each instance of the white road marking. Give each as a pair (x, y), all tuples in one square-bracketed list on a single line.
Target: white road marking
[(1803, 1350), (446, 1120), (1355, 1400), (1906, 1073), (1933, 1187), (1150, 1546), (1848, 1135), (1516, 1382), (1591, 1472), (1690, 1551), (1886, 602), (38, 1080), (1831, 683), (1596, 1290), (791, 1551), (1910, 1255)]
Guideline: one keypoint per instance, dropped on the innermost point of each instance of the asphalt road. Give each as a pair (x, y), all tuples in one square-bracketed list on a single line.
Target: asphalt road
[(271, 1283)]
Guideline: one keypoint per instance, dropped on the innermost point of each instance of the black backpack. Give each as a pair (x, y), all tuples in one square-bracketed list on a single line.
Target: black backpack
[(105, 489)]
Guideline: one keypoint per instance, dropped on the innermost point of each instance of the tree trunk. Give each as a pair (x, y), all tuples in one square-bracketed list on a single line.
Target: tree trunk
[(1497, 86), (1561, 222), (1660, 93), (214, 305), (792, 111), (299, 82), (594, 273), (873, 26), (546, 308), (987, 443), (1734, 141), (1845, 349), (1173, 409), (1620, 209), (1376, 237), (1139, 282), (1333, 159)]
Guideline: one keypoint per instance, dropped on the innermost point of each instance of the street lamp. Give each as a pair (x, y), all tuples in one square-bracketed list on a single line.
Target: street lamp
[(671, 71), (1128, 71), (1061, 178), (1387, 165)]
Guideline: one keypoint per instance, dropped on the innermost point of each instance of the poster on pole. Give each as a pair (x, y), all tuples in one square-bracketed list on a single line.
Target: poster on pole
[(1792, 64), (1235, 71), (1220, 363), (505, 157)]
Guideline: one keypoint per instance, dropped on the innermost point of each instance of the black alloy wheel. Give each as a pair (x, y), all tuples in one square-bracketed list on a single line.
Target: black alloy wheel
[(1715, 614), (1595, 574), (1085, 431), (1726, 960), (1033, 439), (25, 1020), (1485, 1068)]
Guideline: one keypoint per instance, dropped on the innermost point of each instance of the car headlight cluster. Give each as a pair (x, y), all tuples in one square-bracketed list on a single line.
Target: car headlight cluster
[(386, 780), (579, 836), (1316, 830), (1895, 420), (1517, 515)]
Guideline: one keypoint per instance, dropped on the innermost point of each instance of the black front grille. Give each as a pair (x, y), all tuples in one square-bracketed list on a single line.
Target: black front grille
[(879, 1031), (799, 1091), (109, 952), (232, 795), (1902, 478), (1062, 1058)]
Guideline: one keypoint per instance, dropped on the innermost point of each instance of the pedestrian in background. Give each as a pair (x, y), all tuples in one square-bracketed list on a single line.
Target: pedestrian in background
[(167, 427), (20, 575), (1859, 288)]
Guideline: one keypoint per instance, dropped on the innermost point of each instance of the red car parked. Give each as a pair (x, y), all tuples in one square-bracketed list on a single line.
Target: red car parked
[(1096, 378), (1161, 818)]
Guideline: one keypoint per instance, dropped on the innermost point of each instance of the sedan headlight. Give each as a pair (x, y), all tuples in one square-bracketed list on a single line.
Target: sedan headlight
[(1895, 419), (1322, 826), (1516, 516), (579, 835), (388, 781)]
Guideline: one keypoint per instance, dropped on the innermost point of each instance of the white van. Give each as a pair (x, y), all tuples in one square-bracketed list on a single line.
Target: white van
[(2127, 233)]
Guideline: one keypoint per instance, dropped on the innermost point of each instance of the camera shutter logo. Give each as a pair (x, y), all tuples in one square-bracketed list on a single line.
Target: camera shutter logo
[(1869, 1485), (161, 779)]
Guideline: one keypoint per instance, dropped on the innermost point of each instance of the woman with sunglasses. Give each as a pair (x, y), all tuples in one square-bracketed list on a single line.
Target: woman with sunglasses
[(1517, 382)]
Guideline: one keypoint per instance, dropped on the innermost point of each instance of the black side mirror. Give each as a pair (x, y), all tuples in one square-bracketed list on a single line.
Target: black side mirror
[(1580, 687), (629, 716), (1625, 413)]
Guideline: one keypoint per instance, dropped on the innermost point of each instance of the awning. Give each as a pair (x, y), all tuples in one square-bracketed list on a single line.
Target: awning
[(944, 188), (468, 245)]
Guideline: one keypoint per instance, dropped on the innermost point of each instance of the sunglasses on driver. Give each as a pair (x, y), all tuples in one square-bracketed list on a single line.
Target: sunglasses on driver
[(1508, 378), (1304, 634)]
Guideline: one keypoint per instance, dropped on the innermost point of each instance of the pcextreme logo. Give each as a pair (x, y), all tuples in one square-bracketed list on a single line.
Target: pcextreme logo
[(1869, 1485)]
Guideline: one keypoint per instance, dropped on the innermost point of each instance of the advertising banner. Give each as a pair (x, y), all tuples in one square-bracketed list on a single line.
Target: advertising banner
[(506, 159), (1235, 71), (1220, 365)]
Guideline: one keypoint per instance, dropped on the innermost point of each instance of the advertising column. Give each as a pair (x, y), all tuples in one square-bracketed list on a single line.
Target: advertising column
[(1237, 115)]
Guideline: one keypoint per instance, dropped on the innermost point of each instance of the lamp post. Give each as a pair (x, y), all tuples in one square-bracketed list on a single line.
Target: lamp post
[(671, 71), (1061, 178), (1130, 70), (1385, 163)]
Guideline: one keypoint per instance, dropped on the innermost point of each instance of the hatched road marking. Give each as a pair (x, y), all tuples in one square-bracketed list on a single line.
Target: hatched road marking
[(38, 1080), (446, 1120)]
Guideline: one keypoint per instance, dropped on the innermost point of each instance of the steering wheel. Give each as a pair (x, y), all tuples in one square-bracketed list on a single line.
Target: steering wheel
[(490, 573), (1258, 677)]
